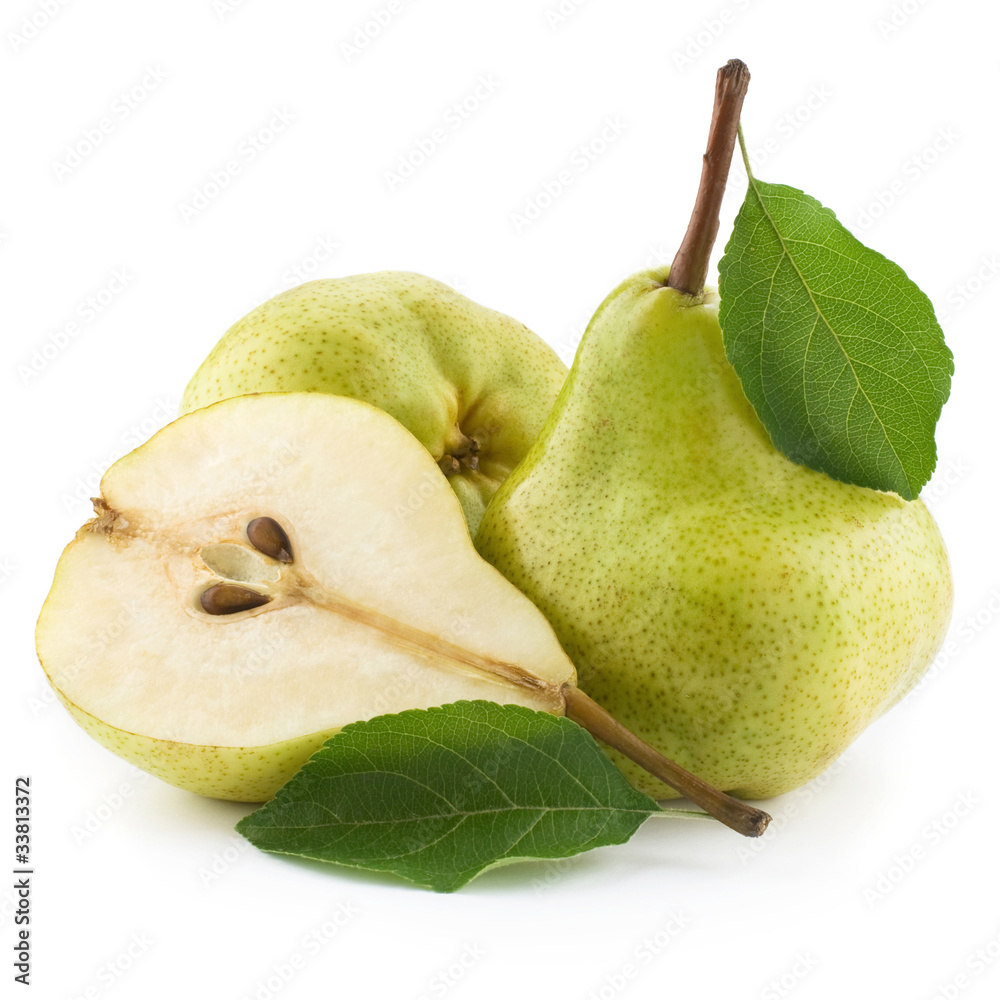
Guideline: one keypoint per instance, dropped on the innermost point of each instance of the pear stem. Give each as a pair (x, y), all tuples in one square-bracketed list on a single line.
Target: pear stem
[(690, 266), (738, 816)]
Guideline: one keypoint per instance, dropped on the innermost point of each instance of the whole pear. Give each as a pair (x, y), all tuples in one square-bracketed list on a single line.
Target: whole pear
[(472, 385), (744, 614)]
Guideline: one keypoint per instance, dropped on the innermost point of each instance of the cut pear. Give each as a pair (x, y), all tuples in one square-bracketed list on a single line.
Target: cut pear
[(378, 604)]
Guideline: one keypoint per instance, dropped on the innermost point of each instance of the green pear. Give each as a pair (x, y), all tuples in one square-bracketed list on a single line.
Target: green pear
[(745, 615), (473, 385)]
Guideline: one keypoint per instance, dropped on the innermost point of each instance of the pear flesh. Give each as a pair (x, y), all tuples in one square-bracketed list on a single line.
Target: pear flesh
[(744, 614), (341, 579), (473, 385)]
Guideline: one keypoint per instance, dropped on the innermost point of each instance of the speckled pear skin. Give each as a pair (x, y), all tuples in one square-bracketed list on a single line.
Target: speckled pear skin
[(746, 615), (451, 371)]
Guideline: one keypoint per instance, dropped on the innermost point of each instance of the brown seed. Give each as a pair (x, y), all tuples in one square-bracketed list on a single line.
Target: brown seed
[(228, 599), (267, 536)]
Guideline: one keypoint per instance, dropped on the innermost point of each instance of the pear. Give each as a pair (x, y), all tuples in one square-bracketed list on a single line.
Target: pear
[(473, 385), (264, 571), (270, 568), (745, 615)]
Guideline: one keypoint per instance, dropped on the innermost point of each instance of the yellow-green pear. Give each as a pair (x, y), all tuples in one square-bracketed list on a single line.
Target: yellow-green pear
[(473, 385), (744, 614)]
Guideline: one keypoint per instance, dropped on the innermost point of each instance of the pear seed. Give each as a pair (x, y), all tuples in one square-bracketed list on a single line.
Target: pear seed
[(228, 599), (267, 536)]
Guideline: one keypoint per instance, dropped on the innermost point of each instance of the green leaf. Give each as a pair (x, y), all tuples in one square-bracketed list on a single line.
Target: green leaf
[(439, 795), (838, 351)]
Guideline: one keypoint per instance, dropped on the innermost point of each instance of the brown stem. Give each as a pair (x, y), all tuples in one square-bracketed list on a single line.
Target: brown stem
[(690, 266), (738, 816)]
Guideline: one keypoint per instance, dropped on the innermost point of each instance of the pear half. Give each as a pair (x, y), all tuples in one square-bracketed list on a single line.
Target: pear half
[(266, 570)]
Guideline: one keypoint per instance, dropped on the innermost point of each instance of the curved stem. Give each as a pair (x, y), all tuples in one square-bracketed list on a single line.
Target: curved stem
[(738, 816), (690, 266)]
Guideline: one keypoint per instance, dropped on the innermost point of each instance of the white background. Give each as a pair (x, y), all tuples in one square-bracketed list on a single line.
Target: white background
[(881, 879)]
